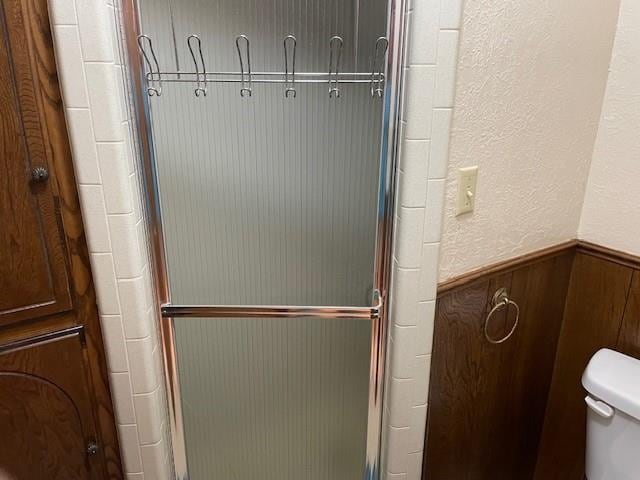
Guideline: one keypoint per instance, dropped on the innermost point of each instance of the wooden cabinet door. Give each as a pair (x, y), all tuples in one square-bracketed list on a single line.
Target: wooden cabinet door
[(33, 270), (46, 419)]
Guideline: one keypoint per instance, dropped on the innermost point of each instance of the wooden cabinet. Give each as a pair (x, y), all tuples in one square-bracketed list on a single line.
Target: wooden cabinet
[(54, 396), (33, 273), (45, 409)]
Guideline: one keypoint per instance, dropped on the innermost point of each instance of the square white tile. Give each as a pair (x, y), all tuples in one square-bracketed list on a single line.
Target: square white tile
[(94, 215), (446, 69), (425, 324), (115, 177), (122, 398), (62, 12), (414, 171), (126, 247), (423, 46), (429, 271), (409, 237), (451, 14), (83, 146), (404, 302), (153, 461), (104, 101), (95, 30), (434, 211), (137, 323), (70, 66), (421, 81), (141, 366), (149, 417), (439, 154), (131, 452), (398, 446), (400, 401), (106, 288), (114, 343)]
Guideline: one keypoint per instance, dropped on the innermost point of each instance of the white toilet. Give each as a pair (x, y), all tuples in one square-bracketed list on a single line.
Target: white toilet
[(612, 381)]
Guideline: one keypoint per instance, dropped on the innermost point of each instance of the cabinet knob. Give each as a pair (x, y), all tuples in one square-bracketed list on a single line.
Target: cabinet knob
[(92, 448), (39, 174)]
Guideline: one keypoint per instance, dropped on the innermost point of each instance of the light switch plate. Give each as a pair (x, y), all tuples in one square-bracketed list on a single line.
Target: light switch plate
[(466, 200)]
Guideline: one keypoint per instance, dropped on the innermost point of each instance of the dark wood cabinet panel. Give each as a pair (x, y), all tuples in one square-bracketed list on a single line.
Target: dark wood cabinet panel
[(45, 275), (33, 271), (595, 305), (46, 419), (487, 402)]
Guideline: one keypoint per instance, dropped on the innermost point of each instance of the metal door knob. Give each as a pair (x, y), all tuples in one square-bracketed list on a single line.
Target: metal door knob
[(92, 448), (39, 174)]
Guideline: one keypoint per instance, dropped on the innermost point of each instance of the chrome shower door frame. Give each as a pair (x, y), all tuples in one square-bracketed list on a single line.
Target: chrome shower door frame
[(378, 313)]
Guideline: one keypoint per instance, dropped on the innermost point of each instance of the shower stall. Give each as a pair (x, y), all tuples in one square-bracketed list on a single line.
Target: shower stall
[(269, 136)]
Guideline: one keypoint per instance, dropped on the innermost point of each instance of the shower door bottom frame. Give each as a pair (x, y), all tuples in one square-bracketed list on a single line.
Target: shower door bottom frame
[(378, 313)]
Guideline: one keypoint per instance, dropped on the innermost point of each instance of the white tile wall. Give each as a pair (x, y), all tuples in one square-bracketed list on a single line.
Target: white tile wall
[(432, 46), (91, 74)]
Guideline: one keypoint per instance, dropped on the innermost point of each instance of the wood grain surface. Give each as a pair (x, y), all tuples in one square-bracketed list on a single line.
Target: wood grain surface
[(629, 338), (516, 410), (46, 415), (33, 271), (596, 304), (28, 48), (487, 402)]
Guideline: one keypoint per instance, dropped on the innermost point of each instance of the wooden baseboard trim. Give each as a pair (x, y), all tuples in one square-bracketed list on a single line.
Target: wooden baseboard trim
[(606, 253)]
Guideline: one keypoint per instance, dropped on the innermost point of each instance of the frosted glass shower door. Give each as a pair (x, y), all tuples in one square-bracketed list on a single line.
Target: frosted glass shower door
[(269, 124), (277, 399), (267, 199)]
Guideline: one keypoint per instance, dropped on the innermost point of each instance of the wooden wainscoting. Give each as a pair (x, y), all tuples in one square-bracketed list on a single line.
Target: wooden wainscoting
[(515, 411), (602, 310), (487, 402)]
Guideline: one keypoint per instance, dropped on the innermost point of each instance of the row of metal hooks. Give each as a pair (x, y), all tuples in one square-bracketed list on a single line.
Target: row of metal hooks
[(155, 78)]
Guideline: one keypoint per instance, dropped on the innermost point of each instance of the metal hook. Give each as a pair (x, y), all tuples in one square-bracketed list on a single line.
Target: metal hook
[(201, 85), (289, 78), (377, 67), (334, 67), (153, 73), (243, 88)]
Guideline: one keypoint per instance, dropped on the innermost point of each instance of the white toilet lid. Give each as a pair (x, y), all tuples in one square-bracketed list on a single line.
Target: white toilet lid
[(614, 378)]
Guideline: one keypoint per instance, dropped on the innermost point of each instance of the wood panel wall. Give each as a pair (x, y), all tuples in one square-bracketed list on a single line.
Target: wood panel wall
[(602, 311), (487, 402), (516, 411)]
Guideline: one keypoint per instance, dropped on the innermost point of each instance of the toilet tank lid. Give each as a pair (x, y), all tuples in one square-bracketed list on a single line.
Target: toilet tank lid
[(614, 378)]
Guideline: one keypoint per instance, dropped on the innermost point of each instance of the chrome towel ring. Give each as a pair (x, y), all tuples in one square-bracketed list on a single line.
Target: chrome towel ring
[(499, 301)]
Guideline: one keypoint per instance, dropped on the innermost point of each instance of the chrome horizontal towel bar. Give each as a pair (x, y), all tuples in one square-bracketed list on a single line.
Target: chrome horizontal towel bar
[(273, 311), (200, 77), (276, 311)]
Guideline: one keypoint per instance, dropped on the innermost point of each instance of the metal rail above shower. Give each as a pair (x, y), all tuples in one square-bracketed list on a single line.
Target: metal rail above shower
[(155, 78)]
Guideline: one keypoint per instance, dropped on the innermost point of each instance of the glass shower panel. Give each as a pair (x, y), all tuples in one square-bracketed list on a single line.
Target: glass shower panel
[(267, 200), (274, 399)]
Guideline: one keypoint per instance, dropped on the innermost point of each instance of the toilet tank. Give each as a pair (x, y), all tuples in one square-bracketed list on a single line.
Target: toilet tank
[(612, 381)]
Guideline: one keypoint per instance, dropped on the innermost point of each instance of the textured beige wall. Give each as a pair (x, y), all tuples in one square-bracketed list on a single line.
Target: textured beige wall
[(531, 78), (611, 213)]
